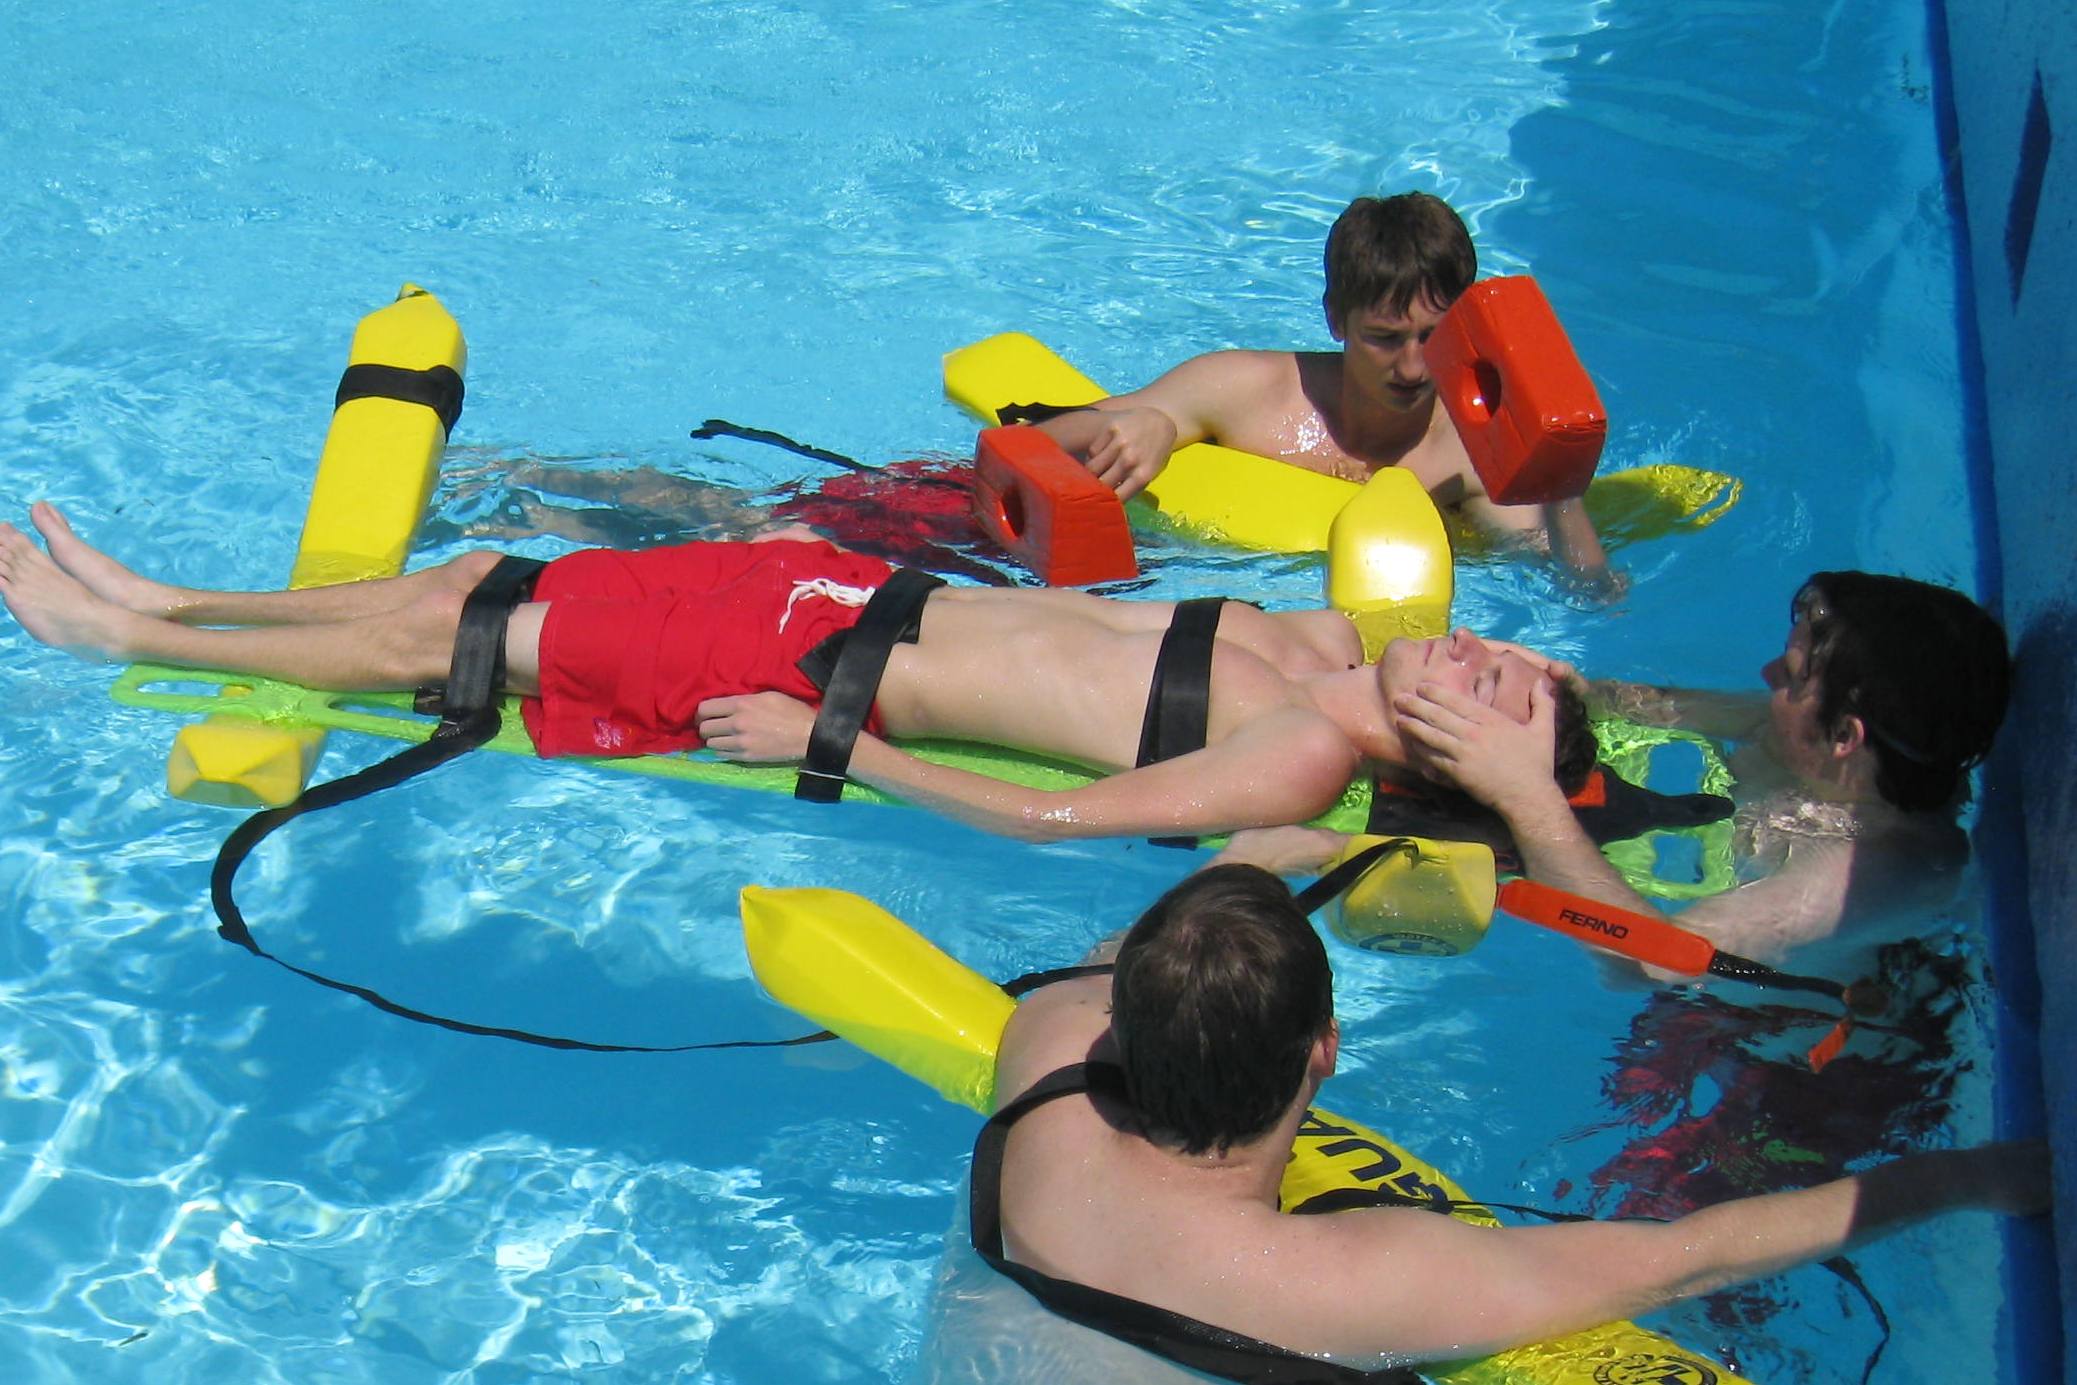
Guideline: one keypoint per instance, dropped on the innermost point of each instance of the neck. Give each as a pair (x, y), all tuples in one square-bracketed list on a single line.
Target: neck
[(1251, 1172), (1371, 431), (1351, 699)]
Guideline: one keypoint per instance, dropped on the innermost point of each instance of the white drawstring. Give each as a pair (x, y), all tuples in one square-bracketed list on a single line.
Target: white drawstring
[(825, 587)]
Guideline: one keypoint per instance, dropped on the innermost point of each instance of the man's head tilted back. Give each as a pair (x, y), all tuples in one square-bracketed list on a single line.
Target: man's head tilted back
[(1221, 990)]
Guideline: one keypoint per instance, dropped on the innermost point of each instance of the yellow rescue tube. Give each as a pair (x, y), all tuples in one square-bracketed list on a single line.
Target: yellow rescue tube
[(1389, 565), (1257, 502), (845, 963), (380, 460)]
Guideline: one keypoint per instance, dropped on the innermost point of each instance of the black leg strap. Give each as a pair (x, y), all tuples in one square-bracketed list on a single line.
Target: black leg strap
[(848, 699)]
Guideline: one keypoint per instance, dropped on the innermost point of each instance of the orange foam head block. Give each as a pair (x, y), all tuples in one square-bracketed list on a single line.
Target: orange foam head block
[(1514, 387), (1046, 509)]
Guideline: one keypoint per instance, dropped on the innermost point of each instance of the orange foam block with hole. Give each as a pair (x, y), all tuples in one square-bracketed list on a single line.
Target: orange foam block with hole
[(1046, 509), (1529, 416)]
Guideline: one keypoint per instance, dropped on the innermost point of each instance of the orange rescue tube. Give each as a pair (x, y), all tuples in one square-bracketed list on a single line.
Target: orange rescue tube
[(1529, 416), (1045, 508)]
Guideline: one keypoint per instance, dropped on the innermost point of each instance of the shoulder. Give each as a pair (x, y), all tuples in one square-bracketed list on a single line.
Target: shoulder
[(1052, 1027), (1218, 375)]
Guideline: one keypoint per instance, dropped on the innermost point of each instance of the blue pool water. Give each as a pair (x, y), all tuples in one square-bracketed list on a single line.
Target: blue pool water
[(782, 214)]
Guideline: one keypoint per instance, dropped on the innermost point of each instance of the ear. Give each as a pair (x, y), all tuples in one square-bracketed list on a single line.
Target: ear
[(1326, 1051), (1850, 735), (1333, 319)]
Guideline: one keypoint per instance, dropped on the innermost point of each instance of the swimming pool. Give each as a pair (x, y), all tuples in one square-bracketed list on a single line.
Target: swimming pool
[(782, 214)]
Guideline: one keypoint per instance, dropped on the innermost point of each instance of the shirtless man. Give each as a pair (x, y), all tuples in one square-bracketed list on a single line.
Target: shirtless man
[(1220, 1014), (1394, 266), (1849, 769), (634, 653)]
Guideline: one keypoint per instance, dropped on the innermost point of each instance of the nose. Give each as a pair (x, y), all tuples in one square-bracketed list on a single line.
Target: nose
[(1411, 367), (1465, 646), (1774, 673)]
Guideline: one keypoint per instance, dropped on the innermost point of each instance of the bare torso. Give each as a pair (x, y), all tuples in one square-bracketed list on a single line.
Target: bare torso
[(1064, 673), (1291, 406)]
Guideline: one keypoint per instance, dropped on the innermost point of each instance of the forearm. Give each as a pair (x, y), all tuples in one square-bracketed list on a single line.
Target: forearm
[(1724, 716), (1753, 1237), (993, 805), (1556, 850), (1574, 542)]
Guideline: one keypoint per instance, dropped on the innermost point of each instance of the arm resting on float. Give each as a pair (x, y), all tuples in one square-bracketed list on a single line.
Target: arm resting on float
[(1481, 1290)]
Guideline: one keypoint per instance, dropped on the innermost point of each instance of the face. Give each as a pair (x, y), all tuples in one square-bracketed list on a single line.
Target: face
[(1792, 706), (1382, 355), (1464, 663)]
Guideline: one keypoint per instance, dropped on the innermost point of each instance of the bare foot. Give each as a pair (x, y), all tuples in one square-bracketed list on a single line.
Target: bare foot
[(99, 573), (54, 607)]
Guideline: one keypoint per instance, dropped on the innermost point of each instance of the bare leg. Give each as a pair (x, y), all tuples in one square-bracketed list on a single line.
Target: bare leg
[(119, 586), (393, 648)]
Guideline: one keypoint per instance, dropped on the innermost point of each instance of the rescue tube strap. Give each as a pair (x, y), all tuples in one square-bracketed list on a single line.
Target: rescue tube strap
[(855, 682), (1335, 881), (1179, 697), (1038, 413), (439, 389), (1187, 1341), (722, 428), (469, 717)]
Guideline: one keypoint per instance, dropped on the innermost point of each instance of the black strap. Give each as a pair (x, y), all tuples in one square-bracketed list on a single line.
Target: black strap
[(1335, 881), (1187, 1341), (1037, 413), (469, 717), (1630, 810), (855, 682), (439, 389), (1180, 694), (1021, 986)]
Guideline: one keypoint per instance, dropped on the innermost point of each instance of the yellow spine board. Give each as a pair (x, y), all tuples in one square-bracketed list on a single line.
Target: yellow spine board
[(845, 963), (380, 460)]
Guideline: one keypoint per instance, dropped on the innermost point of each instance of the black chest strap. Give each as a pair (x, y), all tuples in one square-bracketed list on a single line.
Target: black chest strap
[(1179, 696), (847, 699), (1174, 1336)]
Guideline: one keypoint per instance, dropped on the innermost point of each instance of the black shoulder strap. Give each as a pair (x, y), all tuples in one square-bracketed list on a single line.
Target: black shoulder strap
[(1177, 1337), (1180, 694), (855, 682)]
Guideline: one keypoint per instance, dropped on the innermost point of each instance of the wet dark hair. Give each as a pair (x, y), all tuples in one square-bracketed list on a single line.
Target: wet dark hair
[(1924, 668), (1221, 989), (1391, 250), (1578, 749)]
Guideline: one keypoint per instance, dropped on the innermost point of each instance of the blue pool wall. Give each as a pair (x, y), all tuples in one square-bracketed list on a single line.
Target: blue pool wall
[(2011, 139)]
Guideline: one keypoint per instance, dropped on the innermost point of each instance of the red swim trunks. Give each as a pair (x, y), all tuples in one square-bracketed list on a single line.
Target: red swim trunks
[(634, 642)]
